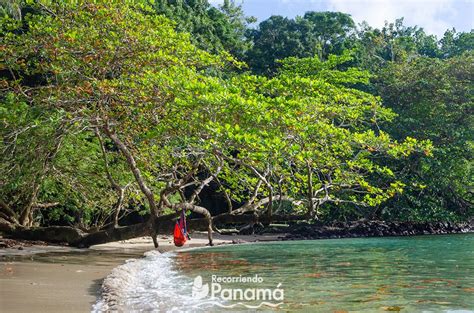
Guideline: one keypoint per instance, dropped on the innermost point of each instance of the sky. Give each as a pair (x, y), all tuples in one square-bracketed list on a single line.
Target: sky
[(435, 16)]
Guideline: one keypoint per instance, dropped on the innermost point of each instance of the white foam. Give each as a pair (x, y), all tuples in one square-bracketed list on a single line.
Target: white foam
[(150, 284)]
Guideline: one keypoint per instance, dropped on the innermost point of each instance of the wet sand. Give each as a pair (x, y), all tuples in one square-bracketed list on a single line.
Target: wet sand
[(61, 279)]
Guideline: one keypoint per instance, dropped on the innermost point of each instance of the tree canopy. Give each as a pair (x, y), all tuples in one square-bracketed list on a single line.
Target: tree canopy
[(434, 101), (316, 33), (109, 108), (213, 29)]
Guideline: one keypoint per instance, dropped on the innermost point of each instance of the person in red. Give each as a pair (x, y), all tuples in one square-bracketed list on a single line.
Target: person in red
[(180, 231)]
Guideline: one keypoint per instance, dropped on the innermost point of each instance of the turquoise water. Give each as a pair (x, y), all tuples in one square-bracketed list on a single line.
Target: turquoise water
[(406, 274)]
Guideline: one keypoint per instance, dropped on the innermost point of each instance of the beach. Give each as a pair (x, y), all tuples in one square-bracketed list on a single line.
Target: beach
[(63, 279)]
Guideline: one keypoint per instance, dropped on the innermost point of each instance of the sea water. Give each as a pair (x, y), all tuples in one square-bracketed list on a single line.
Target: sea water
[(406, 274)]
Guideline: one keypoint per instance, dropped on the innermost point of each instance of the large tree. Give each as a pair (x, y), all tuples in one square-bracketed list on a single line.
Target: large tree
[(314, 34), (109, 68), (308, 138), (107, 96), (434, 100), (213, 28), (397, 42)]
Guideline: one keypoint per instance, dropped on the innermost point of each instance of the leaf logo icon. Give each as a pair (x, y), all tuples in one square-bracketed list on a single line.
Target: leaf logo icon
[(200, 291)]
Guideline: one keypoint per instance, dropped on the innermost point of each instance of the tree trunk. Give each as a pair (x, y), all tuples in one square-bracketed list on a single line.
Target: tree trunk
[(26, 216), (310, 191), (77, 238), (118, 206), (162, 225), (8, 214), (115, 186), (139, 179), (270, 205), (135, 170)]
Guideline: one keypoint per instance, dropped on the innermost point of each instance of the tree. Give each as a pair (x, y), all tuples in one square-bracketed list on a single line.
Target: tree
[(304, 137), (329, 33), (433, 100), (103, 103), (213, 29), (276, 38), (395, 42), (316, 33), (100, 65), (455, 44)]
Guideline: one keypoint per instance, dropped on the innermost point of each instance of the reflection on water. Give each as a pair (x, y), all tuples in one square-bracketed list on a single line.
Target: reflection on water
[(407, 274)]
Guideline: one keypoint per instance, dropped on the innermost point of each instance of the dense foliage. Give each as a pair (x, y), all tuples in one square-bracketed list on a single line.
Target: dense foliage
[(213, 29), (315, 34), (110, 108), (434, 101)]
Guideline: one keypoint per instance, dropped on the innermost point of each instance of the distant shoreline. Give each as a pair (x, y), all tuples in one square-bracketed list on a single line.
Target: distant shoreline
[(374, 228), (257, 232)]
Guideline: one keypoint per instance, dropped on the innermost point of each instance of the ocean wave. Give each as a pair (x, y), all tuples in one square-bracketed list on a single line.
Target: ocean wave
[(152, 284), (149, 284)]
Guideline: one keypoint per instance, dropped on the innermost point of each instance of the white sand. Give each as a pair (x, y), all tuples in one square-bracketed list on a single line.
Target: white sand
[(72, 284)]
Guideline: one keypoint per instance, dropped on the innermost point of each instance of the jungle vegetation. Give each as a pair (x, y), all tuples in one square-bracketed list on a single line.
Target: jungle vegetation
[(117, 114)]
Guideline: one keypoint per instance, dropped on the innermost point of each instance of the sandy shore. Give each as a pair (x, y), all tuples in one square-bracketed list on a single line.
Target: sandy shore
[(62, 279)]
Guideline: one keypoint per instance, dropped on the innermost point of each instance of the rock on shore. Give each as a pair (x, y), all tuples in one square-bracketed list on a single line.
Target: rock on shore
[(368, 228)]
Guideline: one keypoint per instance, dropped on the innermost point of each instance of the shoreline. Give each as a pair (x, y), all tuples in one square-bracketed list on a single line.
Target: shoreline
[(64, 279)]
